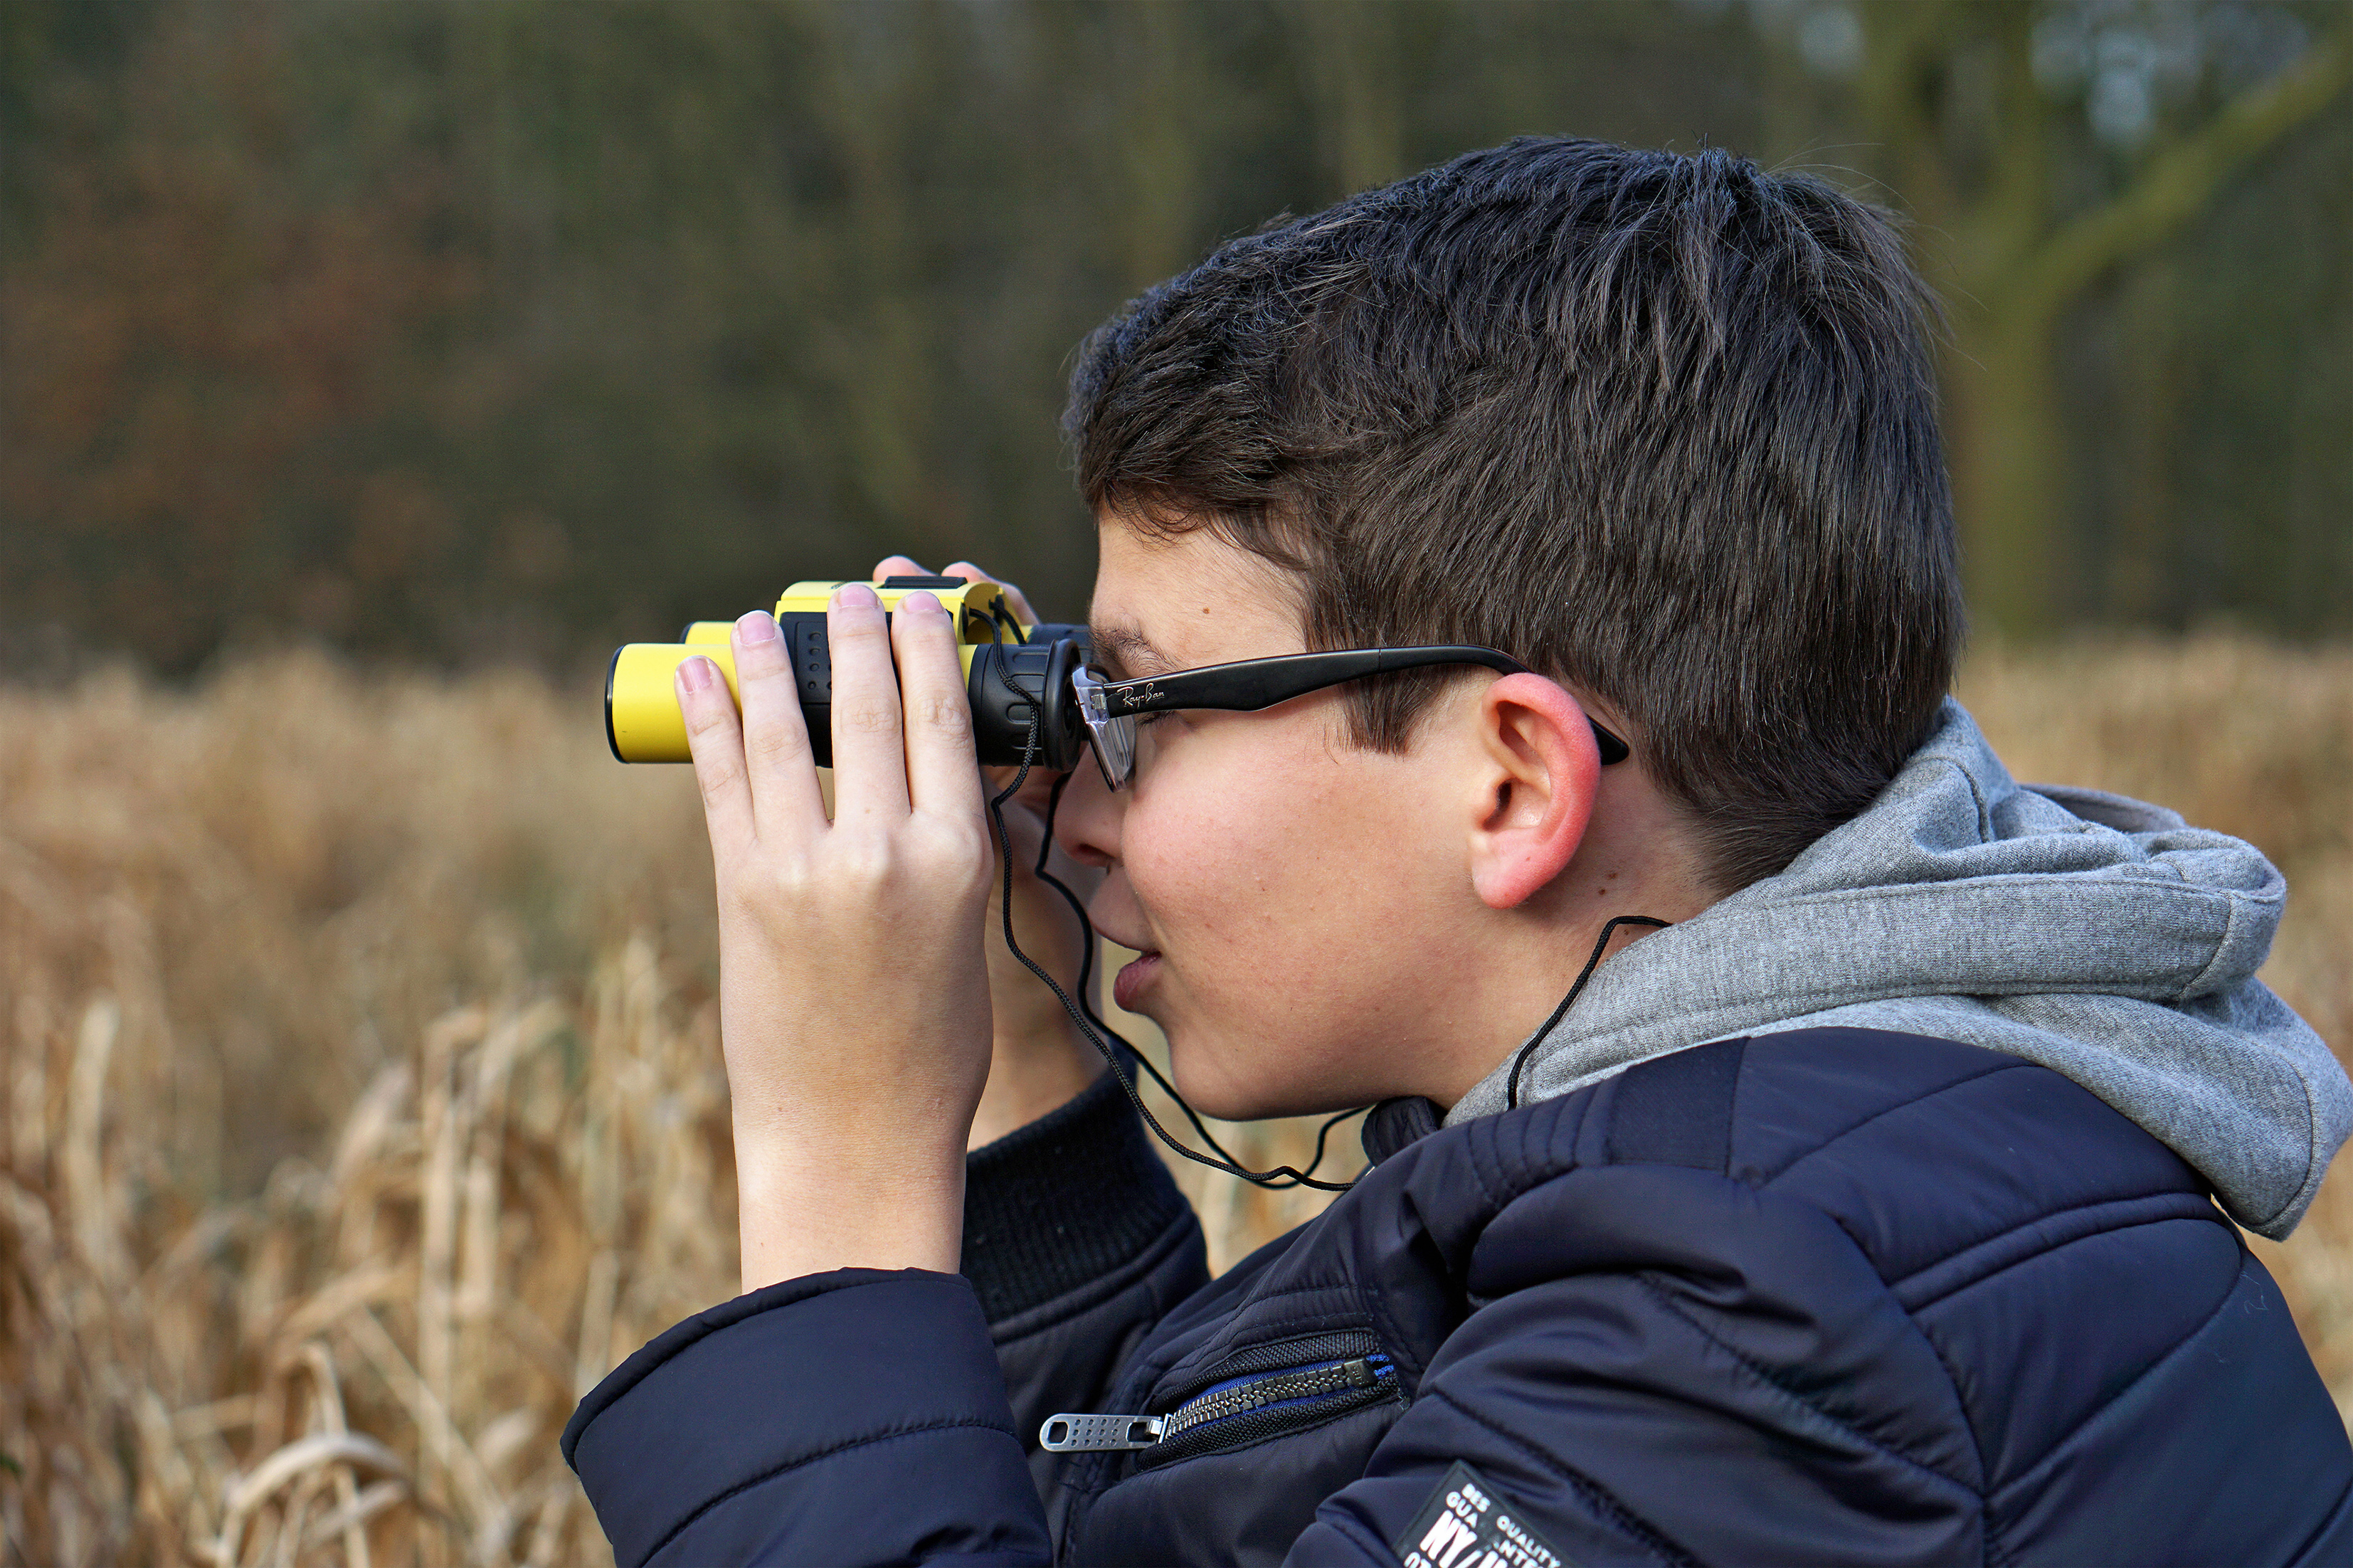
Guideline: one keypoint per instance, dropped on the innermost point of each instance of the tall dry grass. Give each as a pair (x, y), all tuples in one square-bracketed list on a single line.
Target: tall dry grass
[(361, 1105), (353, 1126)]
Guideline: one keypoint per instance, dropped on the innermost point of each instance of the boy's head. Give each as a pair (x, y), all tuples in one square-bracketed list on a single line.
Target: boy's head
[(1662, 427)]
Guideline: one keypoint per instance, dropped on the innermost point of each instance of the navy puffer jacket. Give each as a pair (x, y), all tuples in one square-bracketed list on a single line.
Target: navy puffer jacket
[(1823, 1297)]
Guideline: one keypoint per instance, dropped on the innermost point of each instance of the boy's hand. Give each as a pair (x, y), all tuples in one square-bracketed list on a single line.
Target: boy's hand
[(1038, 1061), (854, 999)]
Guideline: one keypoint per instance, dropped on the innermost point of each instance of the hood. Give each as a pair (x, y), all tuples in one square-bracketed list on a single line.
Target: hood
[(2100, 937)]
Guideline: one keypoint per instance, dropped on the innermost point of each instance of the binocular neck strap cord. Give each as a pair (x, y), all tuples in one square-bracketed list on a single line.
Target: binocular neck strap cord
[(1520, 1061), (1100, 1033)]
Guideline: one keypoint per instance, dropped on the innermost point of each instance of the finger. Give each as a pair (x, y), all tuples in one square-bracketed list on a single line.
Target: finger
[(776, 756), (869, 763), (943, 771), (1015, 600), (716, 742), (898, 566)]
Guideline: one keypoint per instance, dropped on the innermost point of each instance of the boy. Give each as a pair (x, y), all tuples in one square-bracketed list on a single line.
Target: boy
[(1856, 1211)]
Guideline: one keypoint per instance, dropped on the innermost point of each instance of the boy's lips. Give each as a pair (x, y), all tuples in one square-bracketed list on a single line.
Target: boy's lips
[(1129, 983)]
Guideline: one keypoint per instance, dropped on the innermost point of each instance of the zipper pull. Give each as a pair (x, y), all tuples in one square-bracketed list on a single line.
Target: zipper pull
[(1071, 1432)]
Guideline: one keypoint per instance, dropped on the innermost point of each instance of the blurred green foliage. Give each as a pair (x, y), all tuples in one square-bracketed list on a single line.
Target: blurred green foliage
[(464, 330)]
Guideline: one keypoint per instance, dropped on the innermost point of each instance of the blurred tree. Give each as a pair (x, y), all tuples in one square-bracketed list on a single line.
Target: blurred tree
[(1959, 93), (1355, 71), (193, 350), (465, 331)]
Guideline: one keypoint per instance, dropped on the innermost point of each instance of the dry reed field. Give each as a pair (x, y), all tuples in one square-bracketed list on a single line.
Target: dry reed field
[(361, 1106)]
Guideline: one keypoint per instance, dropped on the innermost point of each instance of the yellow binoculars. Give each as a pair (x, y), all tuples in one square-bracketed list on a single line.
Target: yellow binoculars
[(1015, 675)]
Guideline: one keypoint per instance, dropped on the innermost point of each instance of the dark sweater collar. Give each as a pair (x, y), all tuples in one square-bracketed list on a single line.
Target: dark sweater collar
[(1393, 1123)]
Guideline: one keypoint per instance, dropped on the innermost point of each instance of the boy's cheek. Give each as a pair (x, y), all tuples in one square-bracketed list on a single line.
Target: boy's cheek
[(1205, 850), (1253, 884)]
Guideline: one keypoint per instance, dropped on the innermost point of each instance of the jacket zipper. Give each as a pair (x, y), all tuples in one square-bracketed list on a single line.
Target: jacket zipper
[(1313, 1380)]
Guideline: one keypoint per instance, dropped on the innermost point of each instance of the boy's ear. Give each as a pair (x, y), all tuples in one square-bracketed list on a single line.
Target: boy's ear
[(1541, 769)]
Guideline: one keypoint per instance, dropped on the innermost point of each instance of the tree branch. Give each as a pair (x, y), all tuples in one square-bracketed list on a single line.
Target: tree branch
[(2010, 215), (1902, 37), (2177, 182)]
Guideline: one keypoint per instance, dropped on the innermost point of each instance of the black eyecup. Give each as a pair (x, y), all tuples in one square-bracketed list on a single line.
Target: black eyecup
[(1010, 682)]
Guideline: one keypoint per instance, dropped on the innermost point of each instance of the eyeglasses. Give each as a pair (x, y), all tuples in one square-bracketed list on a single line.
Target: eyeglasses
[(1111, 707)]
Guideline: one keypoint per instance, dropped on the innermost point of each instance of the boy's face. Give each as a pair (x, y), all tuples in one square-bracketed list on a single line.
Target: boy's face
[(1305, 909)]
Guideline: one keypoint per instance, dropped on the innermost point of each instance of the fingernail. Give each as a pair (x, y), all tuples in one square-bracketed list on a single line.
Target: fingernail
[(924, 605), (857, 595), (696, 673), (757, 626)]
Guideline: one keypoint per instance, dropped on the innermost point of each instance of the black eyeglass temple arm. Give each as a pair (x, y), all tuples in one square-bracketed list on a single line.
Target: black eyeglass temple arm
[(1257, 683)]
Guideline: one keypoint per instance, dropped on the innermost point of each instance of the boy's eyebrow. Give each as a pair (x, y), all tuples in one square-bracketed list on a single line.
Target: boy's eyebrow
[(1126, 653)]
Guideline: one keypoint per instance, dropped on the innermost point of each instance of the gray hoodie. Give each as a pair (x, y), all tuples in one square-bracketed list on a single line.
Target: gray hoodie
[(2097, 936)]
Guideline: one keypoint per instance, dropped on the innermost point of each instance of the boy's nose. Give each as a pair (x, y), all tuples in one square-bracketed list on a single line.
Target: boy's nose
[(1086, 824)]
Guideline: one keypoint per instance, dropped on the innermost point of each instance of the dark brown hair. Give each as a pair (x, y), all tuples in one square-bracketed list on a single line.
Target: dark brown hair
[(1661, 426)]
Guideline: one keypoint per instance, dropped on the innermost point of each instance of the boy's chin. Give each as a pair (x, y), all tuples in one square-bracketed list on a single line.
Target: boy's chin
[(1215, 1088), (1219, 1096)]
